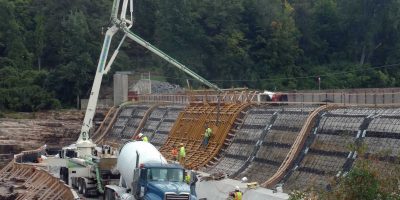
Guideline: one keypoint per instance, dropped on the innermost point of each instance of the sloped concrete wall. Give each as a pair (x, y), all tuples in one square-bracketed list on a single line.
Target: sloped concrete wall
[(267, 133), (276, 144), (128, 121)]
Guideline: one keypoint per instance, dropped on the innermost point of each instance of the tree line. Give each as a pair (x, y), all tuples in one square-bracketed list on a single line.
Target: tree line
[(49, 49)]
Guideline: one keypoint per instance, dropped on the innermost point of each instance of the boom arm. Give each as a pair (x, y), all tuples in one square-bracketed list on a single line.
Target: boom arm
[(84, 144), (169, 59), (94, 94)]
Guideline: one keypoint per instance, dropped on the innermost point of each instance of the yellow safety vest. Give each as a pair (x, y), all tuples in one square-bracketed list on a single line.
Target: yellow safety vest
[(182, 152), (238, 195), (187, 179), (208, 132), (145, 139)]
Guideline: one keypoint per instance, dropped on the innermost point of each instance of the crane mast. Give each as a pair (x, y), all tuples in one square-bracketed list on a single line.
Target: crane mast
[(84, 144)]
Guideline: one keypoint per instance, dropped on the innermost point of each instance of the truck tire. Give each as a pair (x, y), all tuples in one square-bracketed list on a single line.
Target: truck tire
[(79, 182), (74, 183), (109, 194), (64, 174), (61, 173), (84, 188)]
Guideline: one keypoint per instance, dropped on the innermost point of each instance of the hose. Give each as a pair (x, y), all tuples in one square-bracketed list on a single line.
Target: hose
[(98, 178)]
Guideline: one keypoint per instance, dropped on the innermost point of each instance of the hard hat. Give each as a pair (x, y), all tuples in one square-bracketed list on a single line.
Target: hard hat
[(140, 134), (181, 144), (237, 188), (244, 179)]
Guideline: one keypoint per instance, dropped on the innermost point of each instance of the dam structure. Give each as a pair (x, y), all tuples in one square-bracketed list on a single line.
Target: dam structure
[(295, 146)]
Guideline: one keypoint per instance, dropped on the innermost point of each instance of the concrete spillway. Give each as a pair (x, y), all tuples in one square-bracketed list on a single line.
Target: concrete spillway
[(264, 135), (298, 146)]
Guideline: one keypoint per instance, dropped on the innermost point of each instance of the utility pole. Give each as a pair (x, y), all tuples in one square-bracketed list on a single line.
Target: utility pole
[(188, 84), (149, 83)]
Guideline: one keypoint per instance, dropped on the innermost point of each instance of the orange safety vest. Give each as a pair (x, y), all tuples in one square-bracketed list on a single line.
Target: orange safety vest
[(238, 195)]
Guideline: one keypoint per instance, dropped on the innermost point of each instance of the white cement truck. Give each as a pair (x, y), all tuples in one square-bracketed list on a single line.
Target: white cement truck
[(145, 174)]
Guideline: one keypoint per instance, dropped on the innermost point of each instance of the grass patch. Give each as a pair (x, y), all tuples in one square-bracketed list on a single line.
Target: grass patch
[(18, 115)]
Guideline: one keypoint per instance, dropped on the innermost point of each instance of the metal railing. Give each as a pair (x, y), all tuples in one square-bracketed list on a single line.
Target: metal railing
[(340, 98)]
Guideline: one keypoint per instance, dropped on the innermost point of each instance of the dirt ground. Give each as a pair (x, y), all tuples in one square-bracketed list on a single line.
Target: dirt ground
[(27, 131)]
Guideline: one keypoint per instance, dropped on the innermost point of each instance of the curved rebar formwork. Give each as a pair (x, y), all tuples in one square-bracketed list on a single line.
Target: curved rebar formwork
[(245, 142), (332, 150), (190, 126), (153, 121), (128, 122), (106, 125), (276, 143), (297, 146), (160, 123), (382, 141)]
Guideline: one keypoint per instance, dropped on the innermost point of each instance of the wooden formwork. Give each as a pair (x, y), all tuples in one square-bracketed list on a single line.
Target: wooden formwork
[(296, 147), (106, 124), (33, 182), (144, 119), (190, 127)]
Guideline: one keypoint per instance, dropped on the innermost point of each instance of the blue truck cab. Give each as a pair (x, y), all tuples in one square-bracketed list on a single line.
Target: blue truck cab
[(162, 182)]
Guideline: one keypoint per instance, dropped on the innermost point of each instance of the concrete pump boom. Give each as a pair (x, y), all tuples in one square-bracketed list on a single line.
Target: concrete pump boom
[(169, 59), (84, 144)]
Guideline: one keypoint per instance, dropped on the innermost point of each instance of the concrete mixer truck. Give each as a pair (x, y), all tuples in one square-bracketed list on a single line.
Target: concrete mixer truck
[(145, 174)]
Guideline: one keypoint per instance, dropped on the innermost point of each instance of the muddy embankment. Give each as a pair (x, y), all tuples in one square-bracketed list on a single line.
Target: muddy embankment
[(30, 131)]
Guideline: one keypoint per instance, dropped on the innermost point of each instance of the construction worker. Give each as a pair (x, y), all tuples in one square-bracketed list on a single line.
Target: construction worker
[(187, 177), (191, 179), (182, 155), (207, 135), (143, 137), (237, 194), (174, 153)]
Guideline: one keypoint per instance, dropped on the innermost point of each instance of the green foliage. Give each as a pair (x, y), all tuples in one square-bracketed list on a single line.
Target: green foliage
[(297, 195), (22, 91), (369, 178), (263, 44), (359, 184)]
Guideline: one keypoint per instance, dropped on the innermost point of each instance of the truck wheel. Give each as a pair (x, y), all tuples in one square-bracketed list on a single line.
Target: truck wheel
[(109, 194), (74, 183), (61, 173), (84, 189), (64, 174), (80, 189)]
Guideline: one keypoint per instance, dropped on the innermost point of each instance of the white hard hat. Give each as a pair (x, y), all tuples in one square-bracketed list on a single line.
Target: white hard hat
[(140, 134), (244, 179), (237, 188)]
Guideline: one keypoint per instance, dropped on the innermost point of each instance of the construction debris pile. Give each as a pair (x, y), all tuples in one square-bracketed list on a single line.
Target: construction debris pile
[(157, 87), (214, 176)]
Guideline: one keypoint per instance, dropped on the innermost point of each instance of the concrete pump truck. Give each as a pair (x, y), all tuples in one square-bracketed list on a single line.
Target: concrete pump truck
[(141, 172)]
